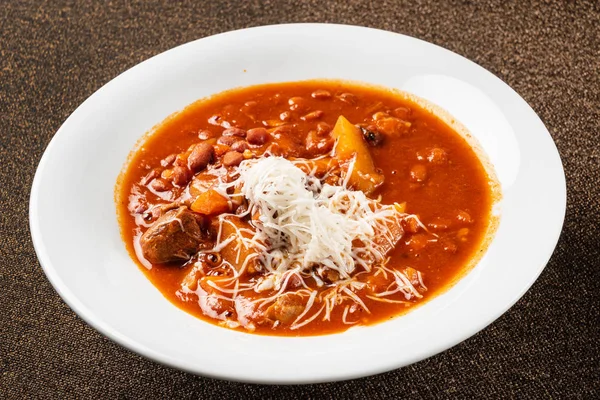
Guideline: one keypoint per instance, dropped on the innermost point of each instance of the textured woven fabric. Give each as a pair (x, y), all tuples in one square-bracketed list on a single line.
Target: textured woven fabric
[(54, 54)]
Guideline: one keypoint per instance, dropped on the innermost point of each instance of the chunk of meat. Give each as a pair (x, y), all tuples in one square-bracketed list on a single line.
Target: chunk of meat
[(240, 251), (386, 241), (286, 308), (175, 236)]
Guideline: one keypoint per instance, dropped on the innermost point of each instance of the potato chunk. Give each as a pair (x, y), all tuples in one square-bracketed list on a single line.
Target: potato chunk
[(350, 144)]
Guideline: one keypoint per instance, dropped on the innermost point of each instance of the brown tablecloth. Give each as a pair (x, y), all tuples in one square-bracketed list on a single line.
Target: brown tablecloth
[(53, 55)]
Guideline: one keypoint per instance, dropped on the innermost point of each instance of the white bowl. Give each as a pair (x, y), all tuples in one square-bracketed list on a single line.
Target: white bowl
[(76, 235)]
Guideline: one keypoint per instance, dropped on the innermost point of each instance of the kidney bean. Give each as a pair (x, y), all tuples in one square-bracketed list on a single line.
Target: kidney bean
[(227, 140), (257, 136), (234, 132), (418, 173), (239, 146), (321, 94), (180, 176), (168, 160), (232, 158), (323, 128), (159, 185), (297, 103), (200, 157), (348, 98), (312, 115), (206, 134)]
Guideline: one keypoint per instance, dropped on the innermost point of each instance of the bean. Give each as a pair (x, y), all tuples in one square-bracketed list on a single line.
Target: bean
[(321, 94), (227, 140), (312, 115), (239, 146), (168, 160), (159, 185), (285, 116), (418, 173), (234, 132), (348, 98), (200, 157), (257, 136), (323, 128), (232, 158), (180, 176), (206, 134), (297, 103)]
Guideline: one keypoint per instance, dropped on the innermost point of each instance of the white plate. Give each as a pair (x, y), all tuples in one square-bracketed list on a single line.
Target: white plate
[(76, 236)]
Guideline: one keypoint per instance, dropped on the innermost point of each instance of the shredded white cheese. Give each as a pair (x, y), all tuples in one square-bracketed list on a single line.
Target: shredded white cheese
[(306, 223)]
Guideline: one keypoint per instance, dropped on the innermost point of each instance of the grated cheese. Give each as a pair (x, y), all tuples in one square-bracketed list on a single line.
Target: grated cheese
[(307, 223)]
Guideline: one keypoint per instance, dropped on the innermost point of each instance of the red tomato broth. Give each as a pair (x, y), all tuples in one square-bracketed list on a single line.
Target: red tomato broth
[(460, 184)]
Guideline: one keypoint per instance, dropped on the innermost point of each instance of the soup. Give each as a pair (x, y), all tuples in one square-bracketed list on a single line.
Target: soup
[(304, 208)]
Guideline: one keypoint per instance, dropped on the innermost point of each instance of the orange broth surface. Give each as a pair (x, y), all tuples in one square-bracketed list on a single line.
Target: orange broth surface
[(452, 195)]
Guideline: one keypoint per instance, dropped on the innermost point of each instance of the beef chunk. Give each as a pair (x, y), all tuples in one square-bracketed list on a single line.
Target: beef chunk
[(286, 308), (175, 236)]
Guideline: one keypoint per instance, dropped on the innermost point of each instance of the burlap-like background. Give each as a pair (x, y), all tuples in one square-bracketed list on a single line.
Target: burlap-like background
[(54, 54)]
